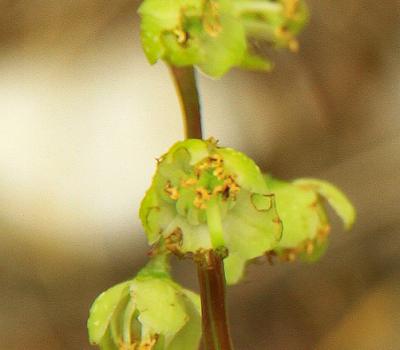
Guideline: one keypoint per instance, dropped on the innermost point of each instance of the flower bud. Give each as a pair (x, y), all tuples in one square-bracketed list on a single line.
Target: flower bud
[(206, 197), (149, 312), (305, 222)]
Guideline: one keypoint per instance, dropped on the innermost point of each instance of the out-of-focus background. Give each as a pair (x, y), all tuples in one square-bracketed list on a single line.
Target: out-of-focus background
[(83, 115)]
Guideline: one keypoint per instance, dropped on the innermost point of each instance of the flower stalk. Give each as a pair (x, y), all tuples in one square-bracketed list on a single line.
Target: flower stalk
[(210, 266), (186, 88), (211, 276)]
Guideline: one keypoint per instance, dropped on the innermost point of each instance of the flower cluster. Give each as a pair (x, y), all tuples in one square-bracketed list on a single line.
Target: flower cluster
[(217, 35)]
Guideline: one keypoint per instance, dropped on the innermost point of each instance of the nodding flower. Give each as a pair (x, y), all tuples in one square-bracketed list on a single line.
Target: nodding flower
[(205, 197), (301, 206), (217, 35), (149, 312)]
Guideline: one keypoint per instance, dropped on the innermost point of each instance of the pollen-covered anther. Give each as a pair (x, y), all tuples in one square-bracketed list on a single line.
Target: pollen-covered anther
[(323, 233), (232, 186), (216, 160), (189, 182), (219, 173), (171, 191), (180, 35), (202, 197), (291, 7), (219, 189), (148, 344), (309, 247)]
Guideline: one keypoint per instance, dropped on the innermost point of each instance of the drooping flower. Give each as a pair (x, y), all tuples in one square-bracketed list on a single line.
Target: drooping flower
[(206, 197), (149, 312), (215, 35), (301, 207)]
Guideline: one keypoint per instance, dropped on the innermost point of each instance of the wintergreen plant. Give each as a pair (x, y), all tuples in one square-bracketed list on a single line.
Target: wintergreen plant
[(209, 203)]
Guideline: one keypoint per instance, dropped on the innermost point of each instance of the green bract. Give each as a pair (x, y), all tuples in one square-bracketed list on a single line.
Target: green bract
[(205, 197), (213, 34), (150, 312), (305, 222)]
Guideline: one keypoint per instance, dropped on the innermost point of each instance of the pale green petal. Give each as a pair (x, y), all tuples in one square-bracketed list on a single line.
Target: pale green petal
[(154, 215), (227, 47), (250, 231), (248, 173), (197, 150), (234, 268), (255, 62), (336, 198), (103, 310), (107, 342), (194, 237), (188, 338), (160, 305), (299, 210)]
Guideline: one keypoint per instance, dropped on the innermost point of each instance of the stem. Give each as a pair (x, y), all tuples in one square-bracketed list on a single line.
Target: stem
[(210, 271), (185, 84), (210, 266)]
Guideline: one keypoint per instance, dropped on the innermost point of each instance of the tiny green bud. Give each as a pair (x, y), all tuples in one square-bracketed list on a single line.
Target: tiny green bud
[(305, 222), (149, 312), (206, 197)]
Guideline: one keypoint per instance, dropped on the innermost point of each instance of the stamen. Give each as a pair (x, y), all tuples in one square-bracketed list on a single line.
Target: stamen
[(171, 191), (189, 182)]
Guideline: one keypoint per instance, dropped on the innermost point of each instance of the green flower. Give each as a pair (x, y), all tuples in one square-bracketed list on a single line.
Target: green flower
[(305, 223), (214, 34), (205, 197), (149, 312), (277, 22)]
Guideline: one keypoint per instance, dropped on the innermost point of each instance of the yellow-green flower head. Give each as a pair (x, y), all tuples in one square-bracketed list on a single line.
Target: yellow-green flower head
[(305, 223), (213, 34), (150, 312), (206, 197)]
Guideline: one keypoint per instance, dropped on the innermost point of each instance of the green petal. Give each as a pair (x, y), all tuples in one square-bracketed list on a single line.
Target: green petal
[(255, 62), (299, 209), (195, 149), (103, 310), (226, 48), (188, 338), (154, 215), (234, 268), (194, 237), (160, 305), (336, 198), (248, 173), (250, 231)]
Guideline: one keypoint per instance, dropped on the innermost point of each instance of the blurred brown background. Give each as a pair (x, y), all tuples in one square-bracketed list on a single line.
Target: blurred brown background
[(82, 117)]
